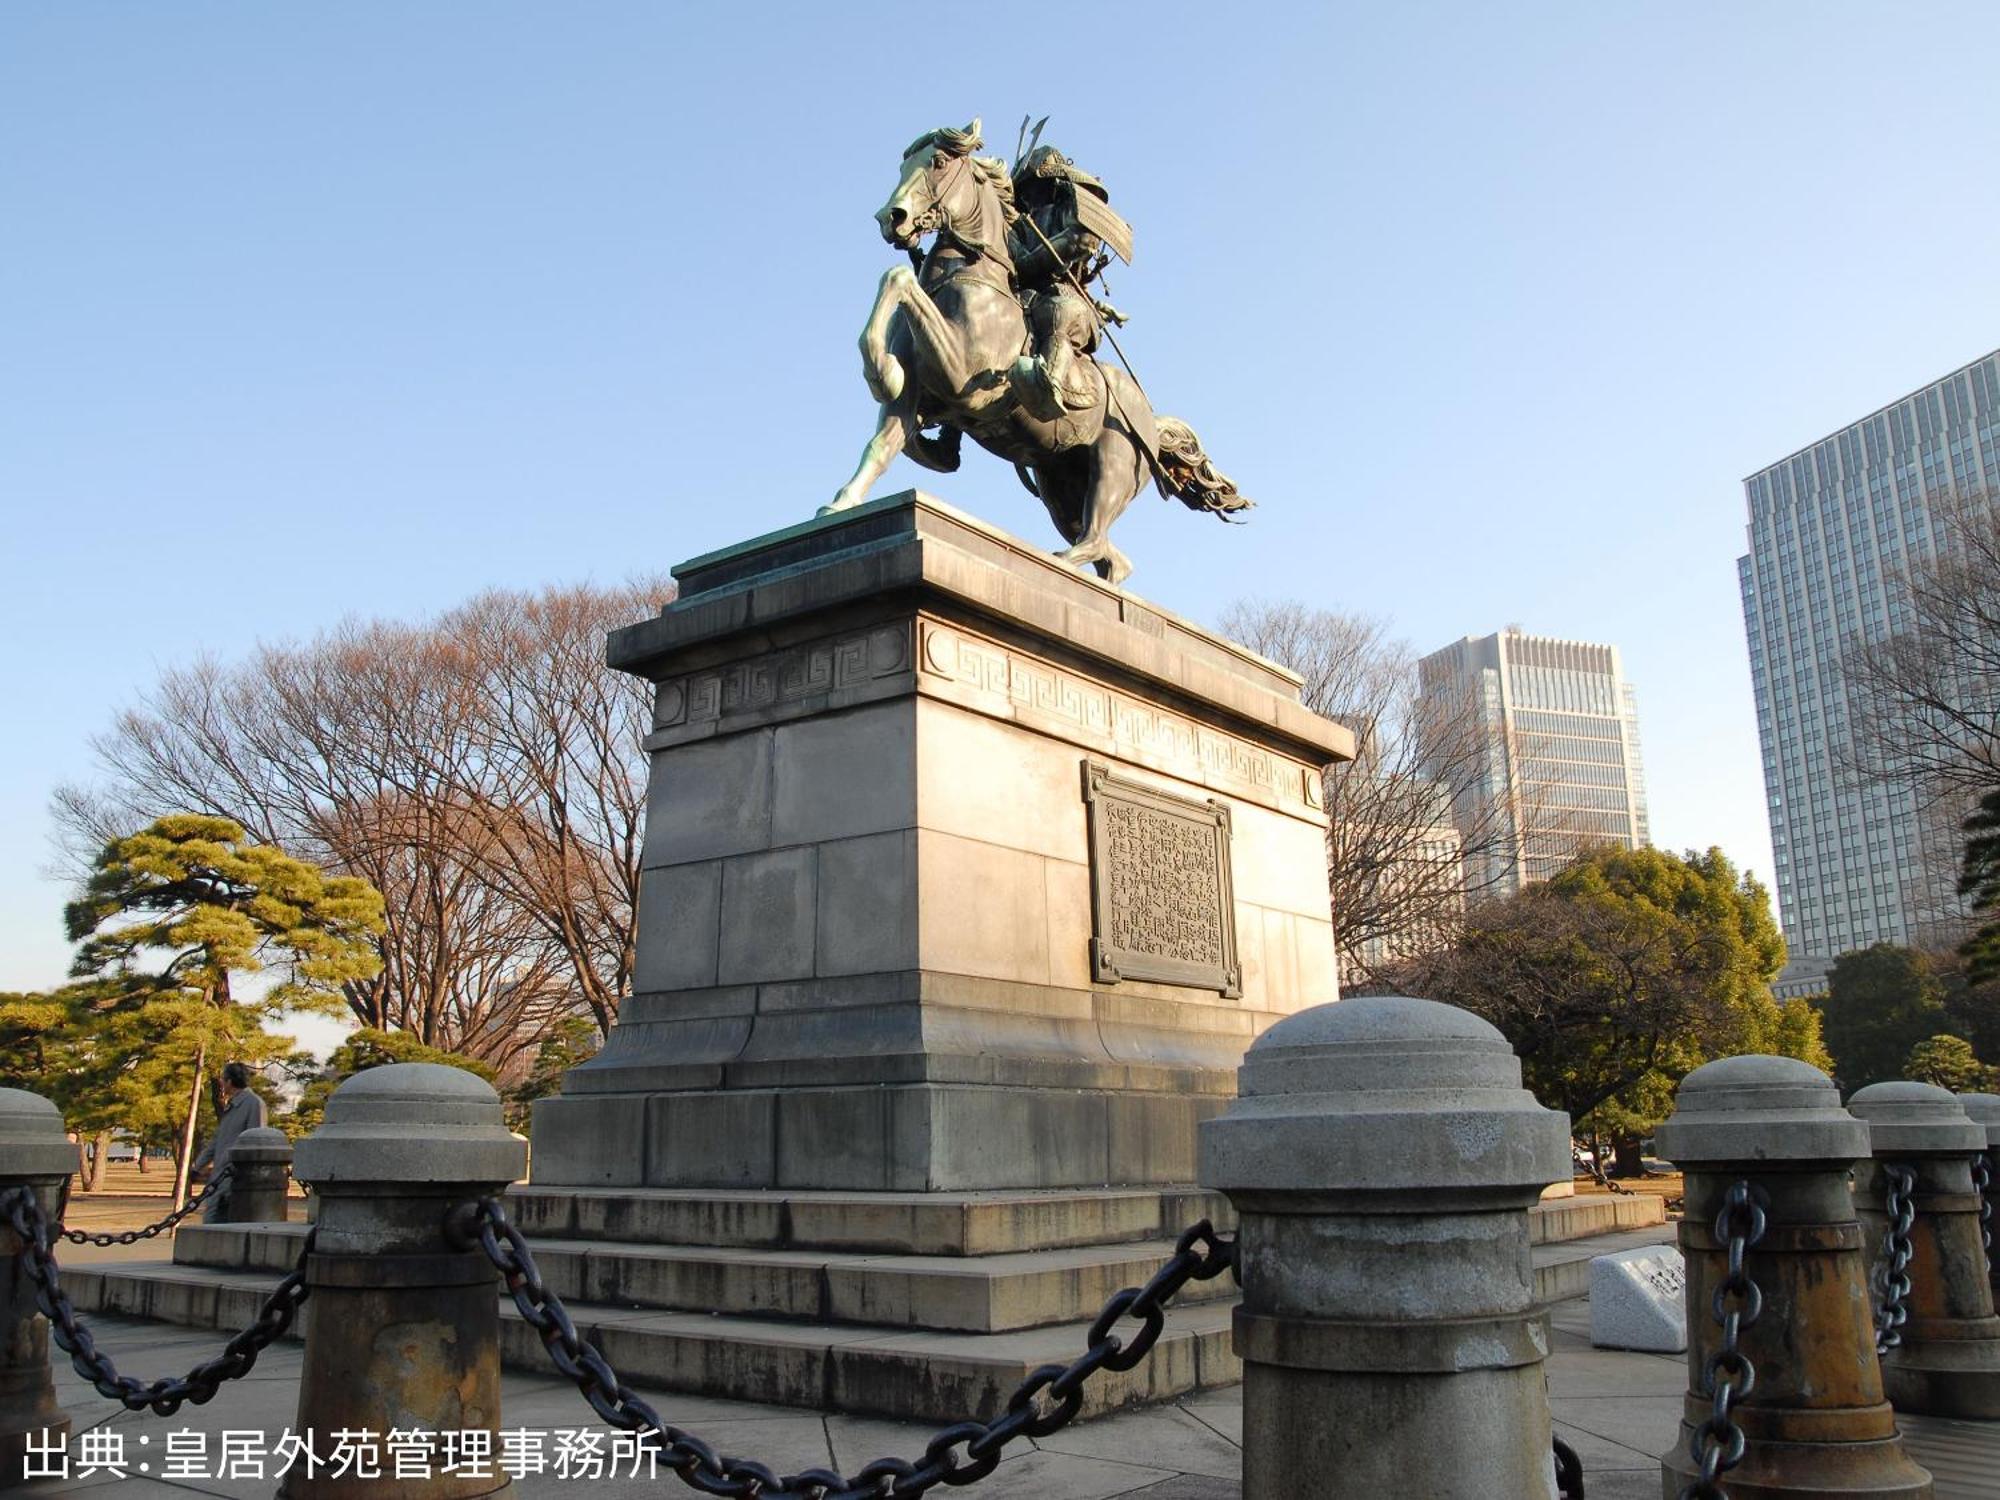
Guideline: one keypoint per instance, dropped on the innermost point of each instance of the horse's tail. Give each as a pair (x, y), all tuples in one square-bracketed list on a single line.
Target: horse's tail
[(1189, 475)]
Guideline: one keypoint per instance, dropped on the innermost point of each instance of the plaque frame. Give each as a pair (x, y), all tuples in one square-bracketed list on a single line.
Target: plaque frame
[(1109, 964)]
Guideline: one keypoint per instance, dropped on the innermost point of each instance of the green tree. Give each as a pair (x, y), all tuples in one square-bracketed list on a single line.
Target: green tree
[(365, 1049), (191, 890), (1949, 1062), (1979, 882), (1618, 976), (1879, 1003), (573, 1040)]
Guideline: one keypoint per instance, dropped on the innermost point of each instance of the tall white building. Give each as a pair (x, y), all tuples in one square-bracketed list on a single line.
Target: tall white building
[(1830, 528), (1558, 754)]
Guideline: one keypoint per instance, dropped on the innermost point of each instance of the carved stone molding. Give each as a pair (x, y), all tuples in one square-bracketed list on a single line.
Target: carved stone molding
[(794, 675), (1139, 730), (1161, 903)]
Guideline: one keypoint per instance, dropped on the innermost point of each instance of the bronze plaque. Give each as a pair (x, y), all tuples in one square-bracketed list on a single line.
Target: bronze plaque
[(1161, 907)]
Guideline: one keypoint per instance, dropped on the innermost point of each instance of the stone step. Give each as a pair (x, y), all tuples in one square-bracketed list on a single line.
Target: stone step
[(972, 1294), (983, 1223), (997, 1293), (991, 1223), (850, 1368), (876, 1366)]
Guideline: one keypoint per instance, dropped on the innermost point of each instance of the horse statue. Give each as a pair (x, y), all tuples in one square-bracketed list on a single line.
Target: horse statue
[(992, 332)]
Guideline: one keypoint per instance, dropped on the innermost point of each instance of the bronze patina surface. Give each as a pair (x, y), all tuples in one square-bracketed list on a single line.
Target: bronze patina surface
[(993, 331)]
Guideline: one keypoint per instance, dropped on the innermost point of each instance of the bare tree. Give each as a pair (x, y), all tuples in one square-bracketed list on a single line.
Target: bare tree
[(483, 771), (1924, 700), (1421, 819)]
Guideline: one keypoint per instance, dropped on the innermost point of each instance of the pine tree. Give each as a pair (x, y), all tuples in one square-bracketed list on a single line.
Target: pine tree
[(191, 888)]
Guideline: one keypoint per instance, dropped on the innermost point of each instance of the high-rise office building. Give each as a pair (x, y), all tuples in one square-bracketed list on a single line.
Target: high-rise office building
[(1557, 752), (1831, 529)]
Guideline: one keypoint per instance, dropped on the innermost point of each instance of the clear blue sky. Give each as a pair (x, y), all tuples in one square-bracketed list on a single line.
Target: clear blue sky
[(316, 310)]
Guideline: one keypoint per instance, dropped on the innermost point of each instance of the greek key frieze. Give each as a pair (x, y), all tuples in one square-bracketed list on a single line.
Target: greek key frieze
[(1146, 732), (796, 674)]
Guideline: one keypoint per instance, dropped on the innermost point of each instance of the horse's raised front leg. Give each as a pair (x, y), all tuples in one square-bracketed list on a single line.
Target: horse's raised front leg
[(892, 430), (882, 371)]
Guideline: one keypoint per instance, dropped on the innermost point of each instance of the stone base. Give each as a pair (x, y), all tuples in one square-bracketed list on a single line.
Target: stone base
[(928, 1305), (920, 1137), (1942, 1377), (962, 870), (1807, 1471)]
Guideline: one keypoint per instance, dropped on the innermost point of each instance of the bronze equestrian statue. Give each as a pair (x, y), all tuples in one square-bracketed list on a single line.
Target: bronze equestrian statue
[(994, 333)]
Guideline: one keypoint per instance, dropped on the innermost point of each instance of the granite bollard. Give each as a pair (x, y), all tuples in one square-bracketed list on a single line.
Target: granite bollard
[(260, 1168), (1815, 1419), (1984, 1109), (402, 1329), (1948, 1361), (1384, 1156), (35, 1151)]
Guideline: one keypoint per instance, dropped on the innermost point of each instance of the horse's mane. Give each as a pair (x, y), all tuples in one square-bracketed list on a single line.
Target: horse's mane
[(991, 170)]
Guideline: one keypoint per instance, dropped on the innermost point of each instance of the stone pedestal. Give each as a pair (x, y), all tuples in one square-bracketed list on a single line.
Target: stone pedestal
[(1948, 1361), (963, 871), (33, 1151), (1383, 1158), (402, 1327), (1814, 1419)]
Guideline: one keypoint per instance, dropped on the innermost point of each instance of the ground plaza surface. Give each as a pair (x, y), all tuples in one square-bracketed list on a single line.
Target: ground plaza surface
[(1618, 1410)]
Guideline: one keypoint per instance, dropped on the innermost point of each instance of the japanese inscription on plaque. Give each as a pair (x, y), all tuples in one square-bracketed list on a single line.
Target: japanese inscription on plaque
[(1161, 905)]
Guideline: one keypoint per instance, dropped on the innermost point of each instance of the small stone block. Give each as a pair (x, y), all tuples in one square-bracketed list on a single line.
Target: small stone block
[(1638, 1300)]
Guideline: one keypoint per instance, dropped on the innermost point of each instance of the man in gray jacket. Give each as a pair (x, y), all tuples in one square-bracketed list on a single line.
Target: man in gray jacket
[(241, 1109)]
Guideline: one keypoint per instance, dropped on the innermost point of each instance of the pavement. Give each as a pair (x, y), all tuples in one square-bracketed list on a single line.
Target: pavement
[(1618, 1410)]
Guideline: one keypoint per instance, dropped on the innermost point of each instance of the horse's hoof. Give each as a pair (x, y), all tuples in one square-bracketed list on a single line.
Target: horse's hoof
[(838, 504)]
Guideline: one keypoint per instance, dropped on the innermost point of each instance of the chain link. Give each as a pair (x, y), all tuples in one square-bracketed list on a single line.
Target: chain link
[(960, 1454), (1569, 1472), (1982, 1183), (133, 1236), (1892, 1271), (24, 1215), (1717, 1444)]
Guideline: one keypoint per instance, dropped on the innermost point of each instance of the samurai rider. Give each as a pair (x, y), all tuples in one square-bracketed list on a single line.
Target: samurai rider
[(1064, 238)]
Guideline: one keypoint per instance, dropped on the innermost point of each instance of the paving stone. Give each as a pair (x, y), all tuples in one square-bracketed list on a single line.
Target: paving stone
[(1164, 1438), (1646, 1424)]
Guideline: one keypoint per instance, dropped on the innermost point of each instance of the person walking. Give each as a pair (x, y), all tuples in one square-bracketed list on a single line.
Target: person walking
[(240, 1109)]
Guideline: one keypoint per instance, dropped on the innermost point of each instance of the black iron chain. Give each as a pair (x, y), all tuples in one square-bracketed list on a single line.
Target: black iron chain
[(24, 1215), (1982, 1183), (1892, 1271), (133, 1236), (960, 1454), (1569, 1472), (1717, 1444)]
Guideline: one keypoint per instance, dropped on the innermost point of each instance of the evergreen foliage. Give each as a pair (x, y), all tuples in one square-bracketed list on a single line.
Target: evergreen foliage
[(172, 919), (1621, 974)]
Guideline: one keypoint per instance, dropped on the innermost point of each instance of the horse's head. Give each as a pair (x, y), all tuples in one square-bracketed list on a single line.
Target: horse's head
[(941, 187)]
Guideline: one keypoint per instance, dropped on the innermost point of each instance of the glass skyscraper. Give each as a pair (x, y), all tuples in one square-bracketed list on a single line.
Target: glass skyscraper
[(1831, 527), (1559, 755)]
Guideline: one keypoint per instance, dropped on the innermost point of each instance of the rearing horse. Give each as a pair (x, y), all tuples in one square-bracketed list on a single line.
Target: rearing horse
[(941, 342)]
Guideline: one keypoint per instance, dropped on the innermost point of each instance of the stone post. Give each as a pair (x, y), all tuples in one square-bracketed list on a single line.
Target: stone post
[(1384, 1156), (1984, 1109), (260, 1170), (1815, 1418), (402, 1330), (1948, 1364), (35, 1151)]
